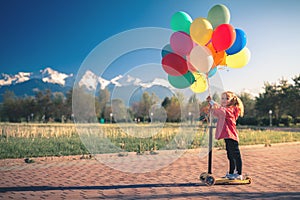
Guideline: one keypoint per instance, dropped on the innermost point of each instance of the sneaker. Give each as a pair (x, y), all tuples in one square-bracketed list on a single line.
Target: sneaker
[(236, 177), (228, 175)]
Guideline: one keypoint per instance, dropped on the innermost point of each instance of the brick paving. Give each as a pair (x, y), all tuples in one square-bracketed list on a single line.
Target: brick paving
[(274, 170)]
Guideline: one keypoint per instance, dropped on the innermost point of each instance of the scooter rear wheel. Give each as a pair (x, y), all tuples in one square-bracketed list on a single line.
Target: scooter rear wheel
[(203, 176)]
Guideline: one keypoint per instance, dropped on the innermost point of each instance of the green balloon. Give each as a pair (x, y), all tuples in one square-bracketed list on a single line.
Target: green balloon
[(218, 14), (181, 21), (183, 81)]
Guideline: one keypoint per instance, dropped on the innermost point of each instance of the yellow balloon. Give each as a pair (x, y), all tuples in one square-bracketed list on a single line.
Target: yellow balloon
[(239, 59), (200, 85), (201, 31)]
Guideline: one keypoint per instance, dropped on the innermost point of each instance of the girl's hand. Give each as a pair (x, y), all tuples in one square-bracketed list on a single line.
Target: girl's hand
[(208, 99)]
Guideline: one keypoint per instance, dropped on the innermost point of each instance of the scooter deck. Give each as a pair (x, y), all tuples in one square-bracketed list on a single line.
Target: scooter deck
[(224, 181), (210, 180)]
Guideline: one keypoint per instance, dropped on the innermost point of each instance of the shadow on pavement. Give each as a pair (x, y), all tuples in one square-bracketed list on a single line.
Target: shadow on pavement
[(104, 187), (246, 195)]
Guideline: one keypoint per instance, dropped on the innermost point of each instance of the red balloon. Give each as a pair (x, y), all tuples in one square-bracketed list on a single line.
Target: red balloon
[(223, 37), (174, 64)]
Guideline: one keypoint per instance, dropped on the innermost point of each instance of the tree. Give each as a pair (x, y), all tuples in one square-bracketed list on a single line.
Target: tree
[(192, 109), (28, 108), (269, 100), (119, 110), (293, 98), (174, 110), (44, 103), (166, 102), (249, 104), (10, 109), (101, 104), (59, 111), (143, 107), (68, 105), (282, 99), (83, 106), (142, 110), (250, 113)]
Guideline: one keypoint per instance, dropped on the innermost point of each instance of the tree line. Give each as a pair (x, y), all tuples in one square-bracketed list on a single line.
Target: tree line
[(278, 104)]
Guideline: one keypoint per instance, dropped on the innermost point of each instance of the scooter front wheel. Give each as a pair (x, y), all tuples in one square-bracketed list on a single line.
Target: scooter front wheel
[(210, 180)]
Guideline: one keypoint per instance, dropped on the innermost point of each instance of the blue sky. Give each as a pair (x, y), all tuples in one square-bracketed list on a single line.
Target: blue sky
[(60, 34)]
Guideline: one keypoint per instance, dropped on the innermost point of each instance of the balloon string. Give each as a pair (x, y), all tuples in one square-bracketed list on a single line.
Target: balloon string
[(209, 94), (208, 85)]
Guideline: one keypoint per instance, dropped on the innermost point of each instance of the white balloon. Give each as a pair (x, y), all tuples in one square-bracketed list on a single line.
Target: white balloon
[(201, 58)]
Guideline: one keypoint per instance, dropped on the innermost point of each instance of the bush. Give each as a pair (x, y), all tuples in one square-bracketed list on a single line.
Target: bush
[(247, 121), (296, 120), (265, 121), (286, 120)]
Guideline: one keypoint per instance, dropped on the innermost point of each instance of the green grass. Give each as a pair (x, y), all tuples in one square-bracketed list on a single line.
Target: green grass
[(15, 147), (38, 140)]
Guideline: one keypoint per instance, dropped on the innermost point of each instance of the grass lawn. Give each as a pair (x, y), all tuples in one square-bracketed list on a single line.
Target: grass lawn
[(39, 140)]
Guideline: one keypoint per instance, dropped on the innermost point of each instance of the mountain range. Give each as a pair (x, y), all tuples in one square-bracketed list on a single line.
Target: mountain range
[(28, 83)]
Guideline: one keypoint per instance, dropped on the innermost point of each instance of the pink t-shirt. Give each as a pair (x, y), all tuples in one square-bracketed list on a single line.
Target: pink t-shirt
[(226, 125)]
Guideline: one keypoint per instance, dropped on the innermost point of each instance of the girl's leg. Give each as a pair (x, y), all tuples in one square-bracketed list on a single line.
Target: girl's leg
[(237, 157), (230, 155)]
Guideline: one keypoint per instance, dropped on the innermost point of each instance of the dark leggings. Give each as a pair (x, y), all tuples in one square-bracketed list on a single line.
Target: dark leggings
[(234, 156)]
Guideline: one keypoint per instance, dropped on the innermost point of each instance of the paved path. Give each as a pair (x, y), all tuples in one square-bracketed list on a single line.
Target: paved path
[(275, 172)]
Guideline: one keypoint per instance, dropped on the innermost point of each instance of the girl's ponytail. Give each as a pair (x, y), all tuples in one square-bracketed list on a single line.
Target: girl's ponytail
[(236, 101), (240, 105)]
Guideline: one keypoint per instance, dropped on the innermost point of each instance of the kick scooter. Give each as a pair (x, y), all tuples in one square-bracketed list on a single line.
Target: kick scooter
[(209, 179)]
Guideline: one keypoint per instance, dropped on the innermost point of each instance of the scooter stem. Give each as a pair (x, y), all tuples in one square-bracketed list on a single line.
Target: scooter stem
[(209, 171)]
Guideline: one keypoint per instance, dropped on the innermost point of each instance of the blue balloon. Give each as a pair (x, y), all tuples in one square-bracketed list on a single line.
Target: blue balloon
[(166, 50), (239, 43), (212, 72)]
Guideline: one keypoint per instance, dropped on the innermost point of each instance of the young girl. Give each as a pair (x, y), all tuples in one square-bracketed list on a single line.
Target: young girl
[(227, 113)]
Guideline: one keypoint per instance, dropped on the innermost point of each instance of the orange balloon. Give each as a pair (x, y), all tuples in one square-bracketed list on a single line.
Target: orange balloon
[(218, 56), (224, 60)]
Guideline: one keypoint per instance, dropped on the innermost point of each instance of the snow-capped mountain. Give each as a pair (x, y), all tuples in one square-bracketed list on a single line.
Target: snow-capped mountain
[(90, 81), (128, 88), (47, 75), (6, 79), (51, 76), (28, 83)]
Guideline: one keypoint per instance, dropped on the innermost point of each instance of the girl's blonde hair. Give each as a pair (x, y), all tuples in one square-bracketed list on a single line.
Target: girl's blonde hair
[(235, 101)]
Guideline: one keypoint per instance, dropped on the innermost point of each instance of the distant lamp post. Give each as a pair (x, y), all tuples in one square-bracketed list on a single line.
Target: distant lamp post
[(190, 117), (270, 115), (151, 117), (111, 115)]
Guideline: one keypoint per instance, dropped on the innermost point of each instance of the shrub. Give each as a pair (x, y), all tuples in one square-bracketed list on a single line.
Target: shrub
[(286, 120), (247, 121)]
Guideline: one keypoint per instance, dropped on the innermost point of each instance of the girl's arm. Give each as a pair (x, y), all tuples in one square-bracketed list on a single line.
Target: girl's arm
[(217, 110)]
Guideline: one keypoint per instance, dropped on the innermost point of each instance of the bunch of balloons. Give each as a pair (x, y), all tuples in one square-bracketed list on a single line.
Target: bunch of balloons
[(197, 47)]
